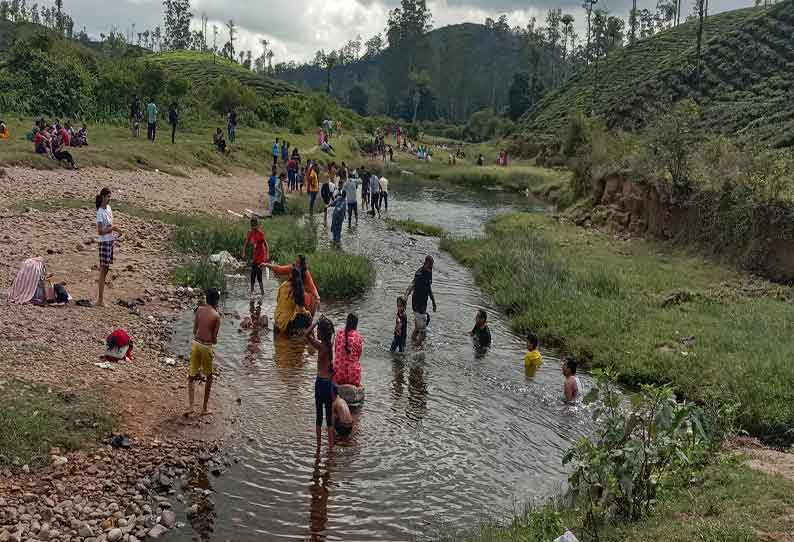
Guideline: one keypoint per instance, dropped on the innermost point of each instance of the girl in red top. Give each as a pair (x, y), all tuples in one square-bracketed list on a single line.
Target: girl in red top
[(347, 354), (256, 238)]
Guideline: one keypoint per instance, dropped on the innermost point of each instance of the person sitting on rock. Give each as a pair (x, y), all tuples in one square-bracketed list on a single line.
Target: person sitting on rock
[(220, 142), (3, 130)]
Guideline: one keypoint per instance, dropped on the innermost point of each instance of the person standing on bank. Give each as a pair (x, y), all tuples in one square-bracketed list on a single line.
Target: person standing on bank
[(151, 117), (107, 234), (173, 120), (422, 290)]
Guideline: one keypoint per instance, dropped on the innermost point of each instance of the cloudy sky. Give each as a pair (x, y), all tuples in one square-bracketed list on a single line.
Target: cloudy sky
[(298, 28)]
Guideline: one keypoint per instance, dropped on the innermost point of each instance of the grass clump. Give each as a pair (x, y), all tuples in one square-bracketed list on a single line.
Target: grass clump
[(34, 419), (603, 303), (339, 275), (416, 228)]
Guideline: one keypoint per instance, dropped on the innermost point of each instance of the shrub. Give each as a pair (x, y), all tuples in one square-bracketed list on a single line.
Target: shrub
[(617, 473), (199, 274), (340, 275), (230, 93)]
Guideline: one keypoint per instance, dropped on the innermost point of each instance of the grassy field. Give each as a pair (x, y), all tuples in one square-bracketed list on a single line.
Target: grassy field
[(728, 502), (113, 147), (744, 89), (34, 419), (656, 315)]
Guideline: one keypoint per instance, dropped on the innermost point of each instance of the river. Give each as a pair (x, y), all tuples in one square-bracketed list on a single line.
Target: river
[(445, 436)]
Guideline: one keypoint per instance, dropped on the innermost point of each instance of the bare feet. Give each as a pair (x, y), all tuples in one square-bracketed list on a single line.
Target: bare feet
[(206, 412), (188, 413)]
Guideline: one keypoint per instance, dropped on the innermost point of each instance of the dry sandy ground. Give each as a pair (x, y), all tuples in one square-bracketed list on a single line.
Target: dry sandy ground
[(60, 345)]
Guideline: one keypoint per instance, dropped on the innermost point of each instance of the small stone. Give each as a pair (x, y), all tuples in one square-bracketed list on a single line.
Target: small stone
[(114, 535), (156, 532), (85, 530)]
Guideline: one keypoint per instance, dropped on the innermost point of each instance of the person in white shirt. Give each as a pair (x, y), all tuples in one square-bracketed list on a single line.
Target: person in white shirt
[(349, 187), (107, 234), (384, 193)]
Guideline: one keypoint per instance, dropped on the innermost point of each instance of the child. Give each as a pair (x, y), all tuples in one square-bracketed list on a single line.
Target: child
[(3, 130), (400, 326), (572, 387), (205, 336), (323, 387), (533, 360), (480, 332), (256, 238), (343, 420)]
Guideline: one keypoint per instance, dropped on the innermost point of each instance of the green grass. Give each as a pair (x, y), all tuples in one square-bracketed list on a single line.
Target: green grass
[(340, 275), (744, 87), (728, 502), (416, 228), (602, 301), (34, 419), (113, 147)]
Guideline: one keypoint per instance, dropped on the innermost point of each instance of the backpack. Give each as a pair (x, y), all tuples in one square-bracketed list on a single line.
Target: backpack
[(325, 193)]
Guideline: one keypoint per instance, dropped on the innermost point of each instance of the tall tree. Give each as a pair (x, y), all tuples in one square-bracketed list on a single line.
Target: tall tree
[(329, 61), (5, 9), (59, 16), (588, 6), (633, 22), (232, 31), (700, 6), (177, 24), (518, 97), (373, 46)]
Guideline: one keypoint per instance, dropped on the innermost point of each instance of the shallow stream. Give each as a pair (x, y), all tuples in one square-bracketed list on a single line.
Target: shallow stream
[(444, 437)]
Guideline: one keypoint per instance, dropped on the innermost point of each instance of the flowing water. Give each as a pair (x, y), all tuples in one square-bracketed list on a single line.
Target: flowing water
[(445, 436)]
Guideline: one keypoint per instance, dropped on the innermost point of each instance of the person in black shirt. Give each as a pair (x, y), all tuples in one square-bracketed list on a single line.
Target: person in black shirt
[(481, 334), (135, 116), (173, 119), (421, 287)]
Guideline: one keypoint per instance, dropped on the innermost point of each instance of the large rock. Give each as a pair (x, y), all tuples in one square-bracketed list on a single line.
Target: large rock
[(156, 532), (168, 519)]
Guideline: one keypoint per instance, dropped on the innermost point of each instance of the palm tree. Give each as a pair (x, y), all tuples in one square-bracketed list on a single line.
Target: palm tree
[(329, 61)]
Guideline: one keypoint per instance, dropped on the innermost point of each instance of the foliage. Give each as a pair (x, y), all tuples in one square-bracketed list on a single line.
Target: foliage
[(199, 274), (340, 275), (229, 94), (177, 24), (178, 88), (34, 419), (152, 81), (486, 124), (519, 98), (671, 140), (617, 472), (416, 228), (358, 99)]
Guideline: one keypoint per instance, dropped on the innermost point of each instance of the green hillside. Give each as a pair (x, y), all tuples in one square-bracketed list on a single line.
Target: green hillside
[(747, 84), (203, 70)]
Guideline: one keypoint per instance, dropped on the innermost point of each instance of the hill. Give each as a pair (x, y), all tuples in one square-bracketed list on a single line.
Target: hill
[(746, 87), (204, 69), (470, 67)]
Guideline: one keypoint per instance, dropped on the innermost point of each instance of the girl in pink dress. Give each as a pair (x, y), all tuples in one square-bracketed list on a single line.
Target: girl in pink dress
[(320, 136), (347, 354)]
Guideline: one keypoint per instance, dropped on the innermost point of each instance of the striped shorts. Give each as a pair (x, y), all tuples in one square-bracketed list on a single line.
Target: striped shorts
[(105, 253)]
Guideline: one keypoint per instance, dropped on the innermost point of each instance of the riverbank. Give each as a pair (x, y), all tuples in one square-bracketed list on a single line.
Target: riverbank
[(654, 313), (64, 478)]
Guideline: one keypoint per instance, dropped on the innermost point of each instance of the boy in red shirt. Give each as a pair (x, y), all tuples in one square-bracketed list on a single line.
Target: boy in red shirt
[(256, 238)]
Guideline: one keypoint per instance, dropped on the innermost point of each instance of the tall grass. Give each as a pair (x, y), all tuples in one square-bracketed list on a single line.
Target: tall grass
[(601, 300), (417, 228), (339, 275)]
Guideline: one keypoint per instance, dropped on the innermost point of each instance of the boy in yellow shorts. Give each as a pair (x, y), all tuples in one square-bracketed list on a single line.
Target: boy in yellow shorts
[(205, 337), (533, 359)]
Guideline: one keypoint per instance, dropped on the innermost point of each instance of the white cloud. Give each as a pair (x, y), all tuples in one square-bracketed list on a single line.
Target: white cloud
[(298, 28)]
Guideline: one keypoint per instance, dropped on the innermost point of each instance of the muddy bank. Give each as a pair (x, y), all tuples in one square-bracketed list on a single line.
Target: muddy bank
[(759, 238)]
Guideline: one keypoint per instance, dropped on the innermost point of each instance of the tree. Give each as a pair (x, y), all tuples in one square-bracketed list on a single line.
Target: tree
[(373, 46), (270, 55), (177, 88), (700, 5), (177, 24), (241, 54), (248, 59), (232, 31), (567, 27), (230, 93), (633, 22), (35, 18), (329, 61), (358, 100), (59, 16), (519, 97), (157, 37), (588, 6), (260, 64)]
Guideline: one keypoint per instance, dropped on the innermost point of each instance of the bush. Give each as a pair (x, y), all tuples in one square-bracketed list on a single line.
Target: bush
[(230, 93), (341, 276), (618, 472), (199, 274)]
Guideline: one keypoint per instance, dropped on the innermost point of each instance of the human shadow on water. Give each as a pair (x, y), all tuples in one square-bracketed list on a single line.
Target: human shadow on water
[(288, 357), (416, 409), (320, 490)]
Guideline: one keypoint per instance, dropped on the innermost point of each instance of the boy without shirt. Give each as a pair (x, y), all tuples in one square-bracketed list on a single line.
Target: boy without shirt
[(206, 325)]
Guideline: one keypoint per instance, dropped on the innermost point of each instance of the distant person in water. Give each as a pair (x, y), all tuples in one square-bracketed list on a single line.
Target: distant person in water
[(572, 388), (480, 333), (206, 325), (323, 387), (256, 238), (400, 326), (343, 419), (532, 360), (422, 290)]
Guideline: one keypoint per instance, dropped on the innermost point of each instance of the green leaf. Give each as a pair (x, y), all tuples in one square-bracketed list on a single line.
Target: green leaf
[(591, 396)]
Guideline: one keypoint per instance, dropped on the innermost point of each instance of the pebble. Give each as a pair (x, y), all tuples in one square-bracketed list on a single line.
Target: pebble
[(114, 535), (156, 532), (168, 519)]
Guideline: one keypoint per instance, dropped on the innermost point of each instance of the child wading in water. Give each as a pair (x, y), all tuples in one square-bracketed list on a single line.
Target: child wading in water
[(533, 360), (323, 387), (256, 238), (205, 337), (400, 326), (572, 387)]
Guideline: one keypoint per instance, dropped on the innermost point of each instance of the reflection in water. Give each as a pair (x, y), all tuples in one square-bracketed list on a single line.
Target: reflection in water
[(202, 519), (319, 491), (445, 433)]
